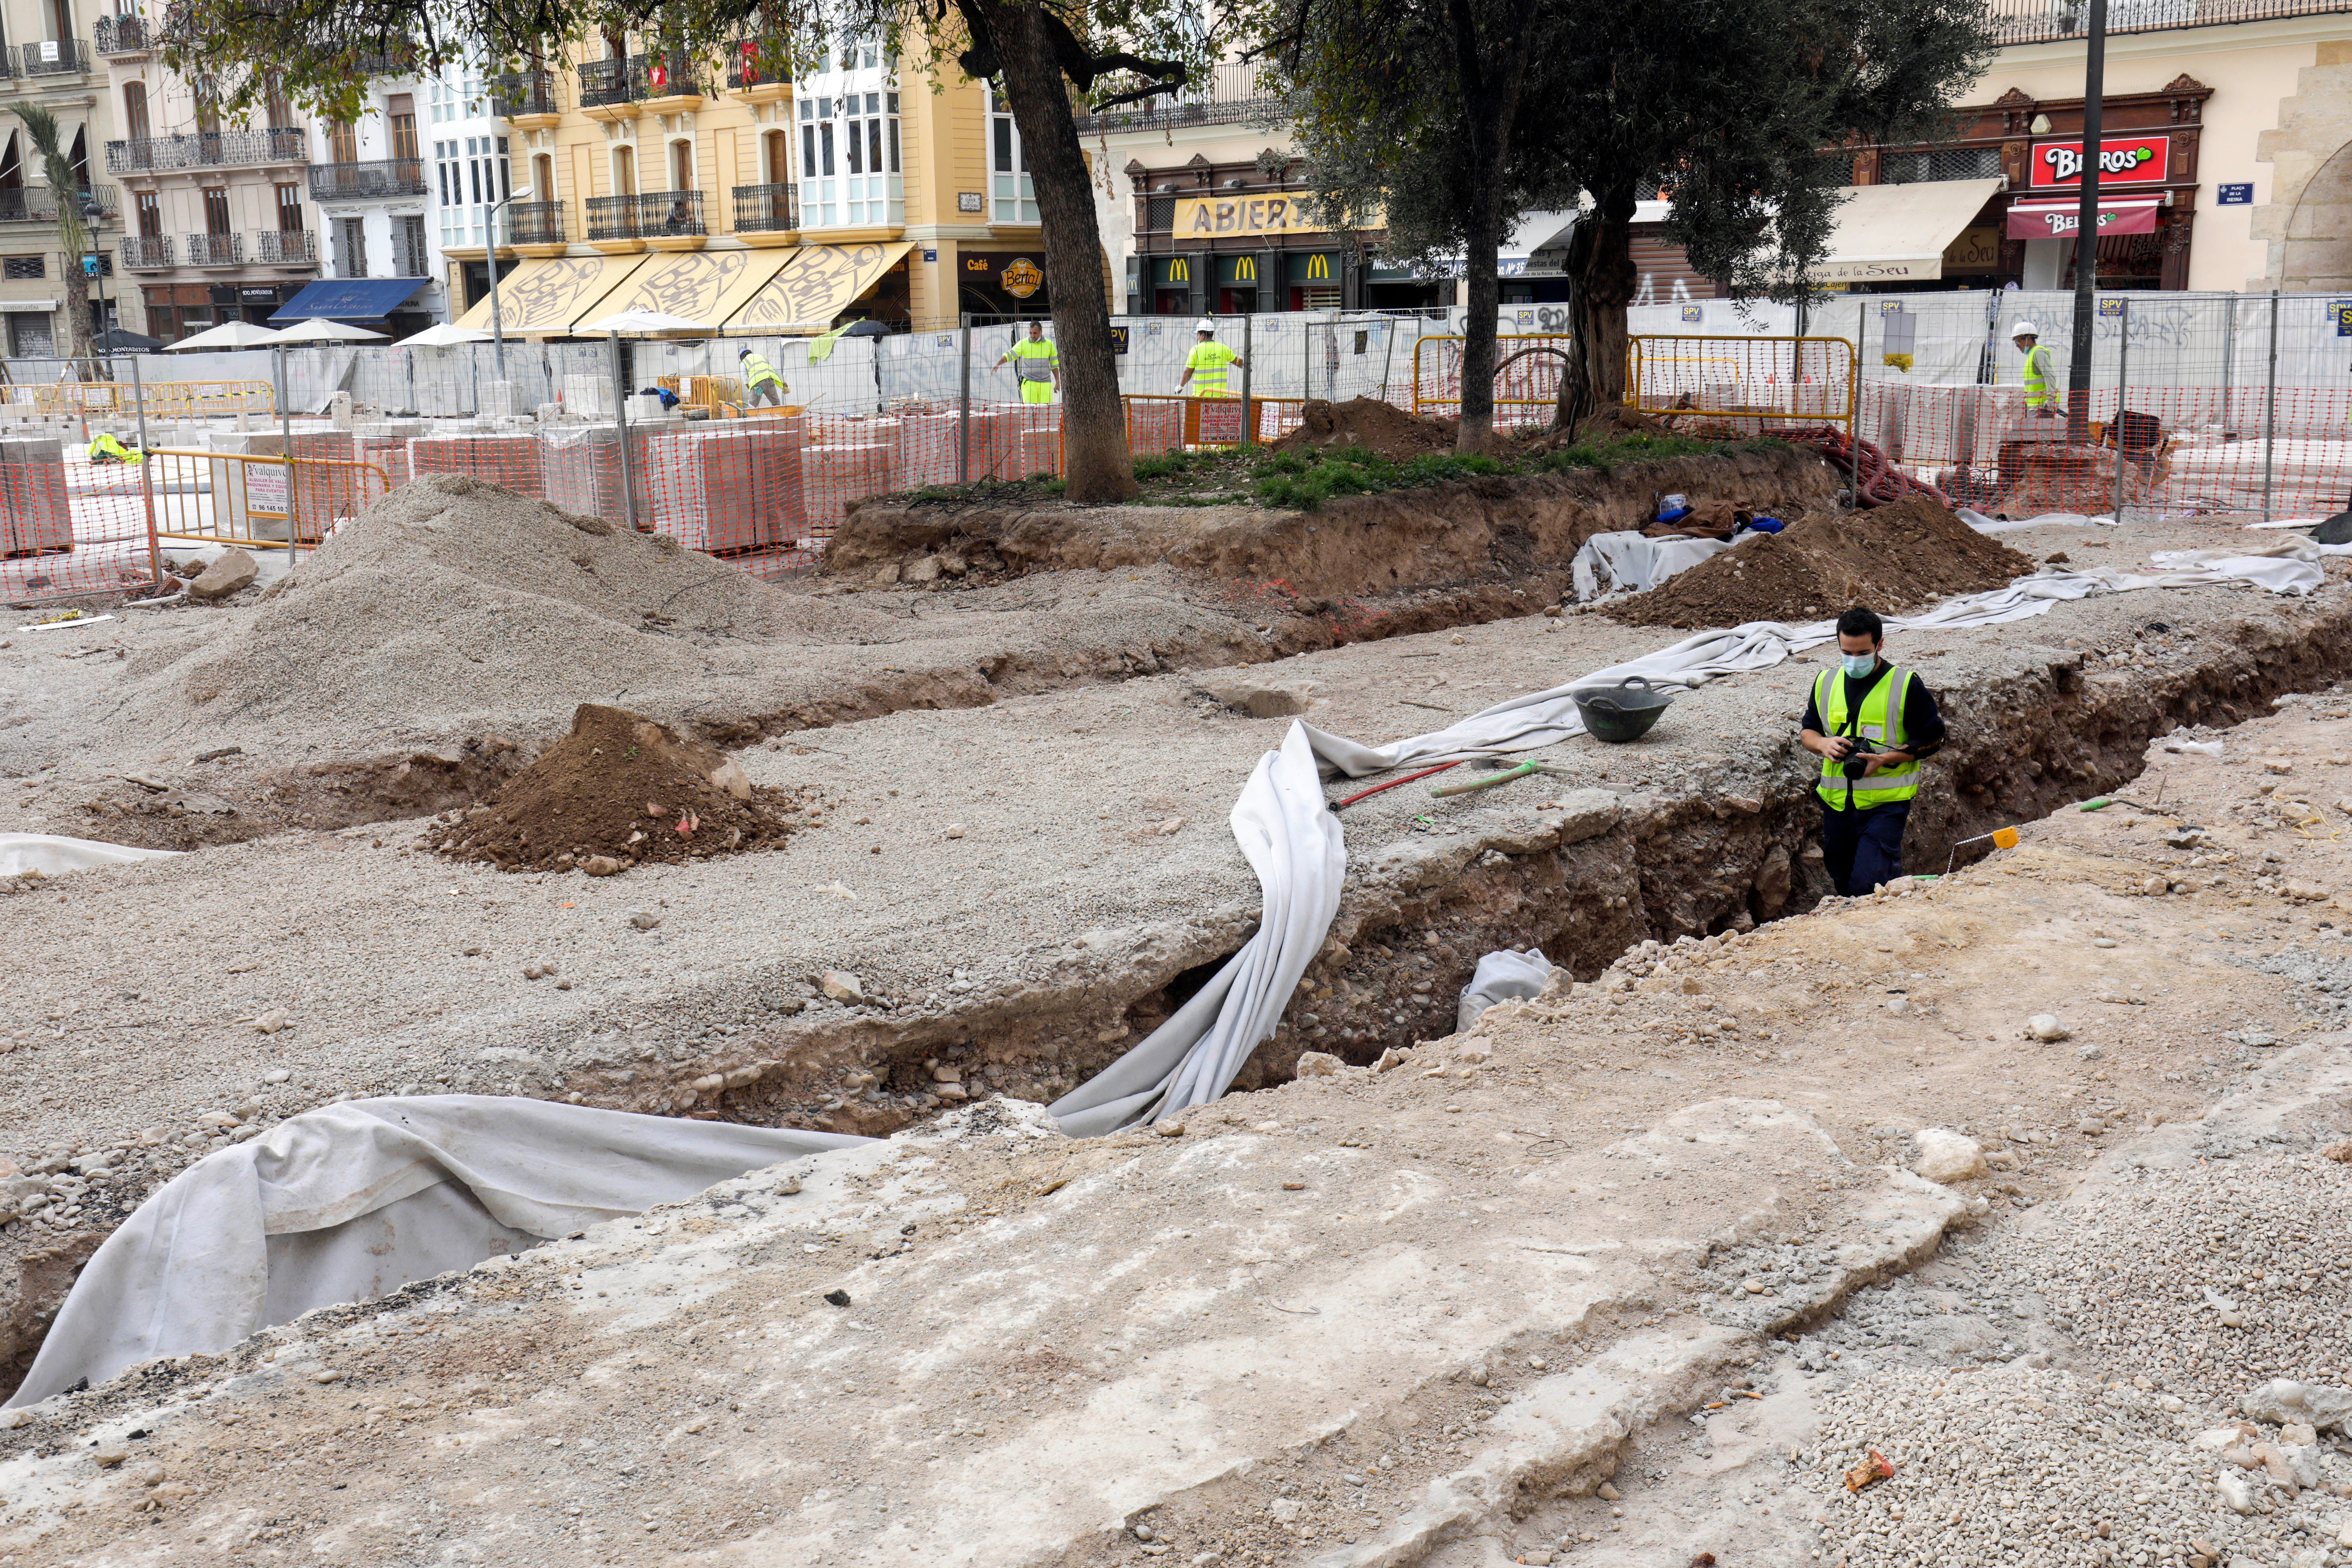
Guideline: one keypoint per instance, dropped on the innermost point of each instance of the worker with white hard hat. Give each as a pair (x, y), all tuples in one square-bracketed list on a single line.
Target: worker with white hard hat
[(2040, 400), (1205, 366)]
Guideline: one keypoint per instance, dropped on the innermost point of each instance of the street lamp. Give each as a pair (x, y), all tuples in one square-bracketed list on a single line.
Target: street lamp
[(93, 260), (498, 323)]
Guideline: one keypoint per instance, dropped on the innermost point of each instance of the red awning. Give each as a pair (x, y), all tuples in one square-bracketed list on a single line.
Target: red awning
[(2057, 220)]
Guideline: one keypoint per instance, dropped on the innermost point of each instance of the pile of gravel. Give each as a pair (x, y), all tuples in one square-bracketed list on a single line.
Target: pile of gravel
[(454, 605)]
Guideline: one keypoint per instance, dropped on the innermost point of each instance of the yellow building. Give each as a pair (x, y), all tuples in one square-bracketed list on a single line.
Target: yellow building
[(691, 185)]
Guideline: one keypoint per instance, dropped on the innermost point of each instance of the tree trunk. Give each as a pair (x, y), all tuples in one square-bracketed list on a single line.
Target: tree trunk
[(76, 289), (1481, 303), (1094, 421), (1602, 280)]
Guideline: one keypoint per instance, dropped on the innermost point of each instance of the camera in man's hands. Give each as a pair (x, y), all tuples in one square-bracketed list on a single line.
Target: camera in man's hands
[(1855, 766)]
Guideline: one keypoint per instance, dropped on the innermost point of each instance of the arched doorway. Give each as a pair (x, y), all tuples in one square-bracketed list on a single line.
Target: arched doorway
[(2316, 256)]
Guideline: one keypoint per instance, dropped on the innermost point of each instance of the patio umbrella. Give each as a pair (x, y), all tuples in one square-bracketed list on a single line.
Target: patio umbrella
[(646, 323), (228, 335), (116, 340), (320, 330), (443, 335)]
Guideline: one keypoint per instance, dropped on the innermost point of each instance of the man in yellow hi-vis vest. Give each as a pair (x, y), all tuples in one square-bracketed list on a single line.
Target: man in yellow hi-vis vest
[(1205, 366), (2041, 377), (1035, 363), (1870, 723), (106, 448), (760, 379)]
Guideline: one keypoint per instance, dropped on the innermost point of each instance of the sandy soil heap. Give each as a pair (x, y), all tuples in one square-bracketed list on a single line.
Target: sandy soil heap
[(453, 598), (1895, 558), (619, 789), (1369, 422)]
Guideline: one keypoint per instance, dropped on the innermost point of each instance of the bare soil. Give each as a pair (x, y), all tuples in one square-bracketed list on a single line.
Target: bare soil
[(1893, 559), (1369, 422), (621, 787)]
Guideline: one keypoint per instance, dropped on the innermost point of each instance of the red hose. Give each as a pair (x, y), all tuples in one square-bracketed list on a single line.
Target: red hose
[(1393, 782)]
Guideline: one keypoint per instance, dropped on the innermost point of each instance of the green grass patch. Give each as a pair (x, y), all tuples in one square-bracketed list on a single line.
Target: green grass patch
[(1306, 480)]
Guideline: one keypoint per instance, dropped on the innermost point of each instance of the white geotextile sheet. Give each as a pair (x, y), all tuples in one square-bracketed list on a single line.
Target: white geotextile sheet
[(1628, 562), (1292, 840), (52, 856), (1503, 975), (351, 1202)]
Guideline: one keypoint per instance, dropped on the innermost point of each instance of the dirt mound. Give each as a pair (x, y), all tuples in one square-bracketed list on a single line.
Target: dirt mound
[(1368, 423), (1893, 559), (622, 787), (455, 605)]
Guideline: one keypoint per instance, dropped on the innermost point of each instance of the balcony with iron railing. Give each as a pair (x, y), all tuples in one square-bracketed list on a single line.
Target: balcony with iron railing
[(38, 204), (367, 182), (1234, 92), (524, 92), (767, 209), (604, 82), (285, 247), (208, 149), (122, 36), (533, 223), (215, 250), (2048, 21), (672, 74), (757, 62), (648, 214), (63, 57), (146, 252)]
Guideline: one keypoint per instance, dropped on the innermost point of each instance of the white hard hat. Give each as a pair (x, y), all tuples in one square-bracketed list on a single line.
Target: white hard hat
[(2025, 330), (1205, 325)]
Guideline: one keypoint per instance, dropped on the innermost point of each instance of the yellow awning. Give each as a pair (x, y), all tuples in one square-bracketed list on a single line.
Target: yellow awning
[(707, 286), (547, 296), (810, 291)]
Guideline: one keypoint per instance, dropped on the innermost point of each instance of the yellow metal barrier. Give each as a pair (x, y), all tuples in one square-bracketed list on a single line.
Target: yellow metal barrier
[(1532, 380), (164, 399), (1723, 386), (260, 501), (1168, 424)]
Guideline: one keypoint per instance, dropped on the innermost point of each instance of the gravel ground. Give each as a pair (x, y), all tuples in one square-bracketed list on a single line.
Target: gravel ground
[(1577, 1244)]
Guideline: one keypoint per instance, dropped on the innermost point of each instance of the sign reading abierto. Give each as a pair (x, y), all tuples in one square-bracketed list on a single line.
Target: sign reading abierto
[(1200, 219), (2136, 160)]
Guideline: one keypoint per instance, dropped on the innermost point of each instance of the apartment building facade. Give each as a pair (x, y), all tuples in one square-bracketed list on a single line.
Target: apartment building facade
[(704, 186), (218, 225), (371, 181), (47, 59)]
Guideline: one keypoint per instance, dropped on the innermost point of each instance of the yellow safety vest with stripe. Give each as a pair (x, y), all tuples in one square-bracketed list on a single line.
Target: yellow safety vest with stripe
[(1032, 359), (1207, 362), (1878, 719), (757, 370), (2037, 377)]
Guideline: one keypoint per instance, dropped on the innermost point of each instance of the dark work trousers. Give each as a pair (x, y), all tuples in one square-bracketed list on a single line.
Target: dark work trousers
[(1864, 849)]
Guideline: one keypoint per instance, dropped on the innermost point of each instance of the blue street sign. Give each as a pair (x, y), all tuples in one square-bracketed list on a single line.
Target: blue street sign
[(2239, 196)]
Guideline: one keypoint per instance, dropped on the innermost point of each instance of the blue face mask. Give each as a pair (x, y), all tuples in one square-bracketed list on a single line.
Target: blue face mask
[(1861, 664)]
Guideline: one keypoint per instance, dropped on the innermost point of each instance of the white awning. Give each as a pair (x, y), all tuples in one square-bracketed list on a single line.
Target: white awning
[(1894, 233)]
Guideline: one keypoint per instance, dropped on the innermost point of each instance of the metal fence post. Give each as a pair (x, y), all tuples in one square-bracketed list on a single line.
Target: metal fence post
[(963, 402), (146, 478), (621, 424), (286, 457), (2123, 382), (2228, 362), (1249, 416), (2269, 412)]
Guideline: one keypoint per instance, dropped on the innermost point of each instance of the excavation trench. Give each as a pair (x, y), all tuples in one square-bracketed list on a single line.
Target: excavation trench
[(2036, 727), (1606, 870)]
